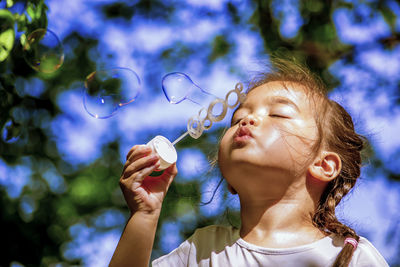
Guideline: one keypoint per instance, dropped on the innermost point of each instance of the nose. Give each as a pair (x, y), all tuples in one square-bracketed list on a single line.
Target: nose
[(249, 120)]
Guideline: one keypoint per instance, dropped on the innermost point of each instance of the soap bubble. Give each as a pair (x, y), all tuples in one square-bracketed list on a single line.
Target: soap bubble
[(108, 90), (11, 132), (43, 51), (177, 86)]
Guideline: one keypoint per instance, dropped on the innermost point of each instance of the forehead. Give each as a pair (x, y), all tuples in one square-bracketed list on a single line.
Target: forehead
[(293, 92)]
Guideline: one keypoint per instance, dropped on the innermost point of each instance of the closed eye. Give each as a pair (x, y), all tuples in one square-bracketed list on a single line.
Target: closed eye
[(279, 116)]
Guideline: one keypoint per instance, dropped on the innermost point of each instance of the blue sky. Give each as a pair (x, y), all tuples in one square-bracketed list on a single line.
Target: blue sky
[(137, 44)]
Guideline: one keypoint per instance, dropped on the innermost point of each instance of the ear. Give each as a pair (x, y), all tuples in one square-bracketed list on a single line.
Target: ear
[(326, 166), (232, 190)]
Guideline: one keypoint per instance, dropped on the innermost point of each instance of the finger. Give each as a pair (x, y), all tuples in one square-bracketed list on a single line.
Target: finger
[(137, 178), (145, 172), (138, 150), (137, 165), (140, 164), (135, 154), (169, 174)]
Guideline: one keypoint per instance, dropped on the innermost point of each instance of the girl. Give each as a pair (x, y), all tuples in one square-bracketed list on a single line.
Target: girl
[(291, 155)]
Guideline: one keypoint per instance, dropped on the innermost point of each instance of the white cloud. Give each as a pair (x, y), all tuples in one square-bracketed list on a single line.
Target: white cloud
[(191, 163), (211, 4), (372, 27), (65, 16), (79, 136), (149, 37), (85, 245), (249, 53), (381, 120), (385, 63), (195, 29), (14, 178)]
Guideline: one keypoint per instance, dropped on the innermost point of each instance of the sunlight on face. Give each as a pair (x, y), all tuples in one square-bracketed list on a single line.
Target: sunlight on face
[(274, 129)]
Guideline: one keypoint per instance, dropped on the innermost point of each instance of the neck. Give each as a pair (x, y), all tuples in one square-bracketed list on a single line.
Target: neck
[(279, 222)]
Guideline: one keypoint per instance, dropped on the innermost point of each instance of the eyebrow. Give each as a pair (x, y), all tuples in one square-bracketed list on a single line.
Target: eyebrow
[(282, 100)]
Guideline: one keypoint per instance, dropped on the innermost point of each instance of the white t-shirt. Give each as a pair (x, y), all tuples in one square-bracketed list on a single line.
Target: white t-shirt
[(222, 246)]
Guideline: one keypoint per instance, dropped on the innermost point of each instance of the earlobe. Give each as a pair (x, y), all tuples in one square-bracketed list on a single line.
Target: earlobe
[(326, 167)]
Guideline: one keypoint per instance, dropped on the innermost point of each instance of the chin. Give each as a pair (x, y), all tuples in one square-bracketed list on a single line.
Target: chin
[(238, 166)]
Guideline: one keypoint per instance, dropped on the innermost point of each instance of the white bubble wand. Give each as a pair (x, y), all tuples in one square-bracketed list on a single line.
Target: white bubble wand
[(177, 87)]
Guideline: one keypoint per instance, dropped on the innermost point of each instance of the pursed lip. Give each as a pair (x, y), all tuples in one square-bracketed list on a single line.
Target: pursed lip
[(242, 134)]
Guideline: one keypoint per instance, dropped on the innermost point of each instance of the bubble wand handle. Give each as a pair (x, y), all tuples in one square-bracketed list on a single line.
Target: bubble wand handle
[(180, 138)]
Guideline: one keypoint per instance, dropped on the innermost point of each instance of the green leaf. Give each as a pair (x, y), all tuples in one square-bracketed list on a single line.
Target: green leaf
[(30, 10), (221, 47), (389, 16), (39, 10), (6, 43), (7, 34), (10, 3), (23, 39), (21, 22)]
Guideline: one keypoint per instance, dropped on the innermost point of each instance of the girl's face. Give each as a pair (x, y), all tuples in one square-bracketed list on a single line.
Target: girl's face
[(272, 132)]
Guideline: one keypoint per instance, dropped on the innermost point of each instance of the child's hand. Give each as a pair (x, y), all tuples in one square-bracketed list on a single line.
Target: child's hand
[(141, 191)]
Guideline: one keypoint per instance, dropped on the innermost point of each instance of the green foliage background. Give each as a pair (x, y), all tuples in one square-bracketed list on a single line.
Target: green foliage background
[(39, 239)]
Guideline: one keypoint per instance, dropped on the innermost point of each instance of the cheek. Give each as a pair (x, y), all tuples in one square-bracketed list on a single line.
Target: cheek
[(223, 155), (272, 137), (225, 144), (295, 146), (307, 136)]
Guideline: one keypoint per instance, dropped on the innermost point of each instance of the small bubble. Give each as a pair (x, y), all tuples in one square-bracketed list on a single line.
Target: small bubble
[(11, 132), (43, 51)]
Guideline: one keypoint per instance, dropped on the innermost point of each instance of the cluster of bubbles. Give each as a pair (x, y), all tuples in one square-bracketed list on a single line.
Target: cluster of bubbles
[(43, 51), (178, 87), (106, 91)]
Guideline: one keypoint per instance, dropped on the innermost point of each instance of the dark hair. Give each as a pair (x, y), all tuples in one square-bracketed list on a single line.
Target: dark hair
[(336, 133)]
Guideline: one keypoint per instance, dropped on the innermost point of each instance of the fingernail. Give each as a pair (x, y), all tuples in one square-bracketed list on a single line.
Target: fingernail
[(157, 165)]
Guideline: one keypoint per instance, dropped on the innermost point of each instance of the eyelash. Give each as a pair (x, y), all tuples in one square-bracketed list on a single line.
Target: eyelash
[(271, 115), (278, 116)]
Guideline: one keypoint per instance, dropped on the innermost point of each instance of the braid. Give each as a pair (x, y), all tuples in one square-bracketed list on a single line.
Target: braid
[(325, 217), (341, 138)]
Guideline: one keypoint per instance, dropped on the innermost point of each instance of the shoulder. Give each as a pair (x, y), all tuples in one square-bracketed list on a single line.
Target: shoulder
[(203, 242), (216, 236), (216, 230), (367, 255)]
